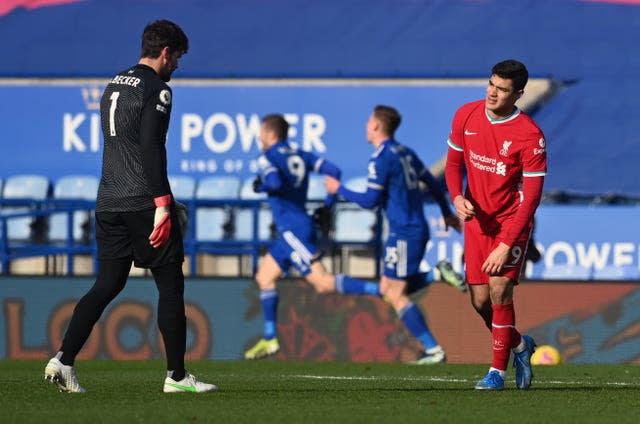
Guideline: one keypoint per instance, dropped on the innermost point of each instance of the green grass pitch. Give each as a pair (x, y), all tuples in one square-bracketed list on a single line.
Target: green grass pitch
[(320, 392)]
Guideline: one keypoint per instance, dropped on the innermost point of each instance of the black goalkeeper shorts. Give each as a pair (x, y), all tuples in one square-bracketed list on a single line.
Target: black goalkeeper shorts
[(121, 235)]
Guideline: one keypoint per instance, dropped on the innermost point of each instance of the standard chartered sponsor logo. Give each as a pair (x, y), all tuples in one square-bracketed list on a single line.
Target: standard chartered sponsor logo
[(487, 164)]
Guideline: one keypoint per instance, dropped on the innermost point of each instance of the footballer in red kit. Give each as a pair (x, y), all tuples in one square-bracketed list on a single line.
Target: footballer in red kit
[(504, 154)]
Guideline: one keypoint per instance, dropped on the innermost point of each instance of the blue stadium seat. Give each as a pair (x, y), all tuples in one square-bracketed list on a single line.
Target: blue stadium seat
[(218, 188), (567, 272), (316, 191), (182, 186), (76, 187), (211, 221), (354, 224), (244, 217), (26, 187), (35, 187)]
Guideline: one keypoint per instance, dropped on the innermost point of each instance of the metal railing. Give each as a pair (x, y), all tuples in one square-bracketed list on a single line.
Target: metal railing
[(40, 212)]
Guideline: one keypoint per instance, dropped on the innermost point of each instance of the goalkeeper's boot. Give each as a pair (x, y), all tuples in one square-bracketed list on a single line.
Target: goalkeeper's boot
[(263, 348), (189, 384), (491, 381), (450, 276), (431, 356), (63, 376), (522, 363)]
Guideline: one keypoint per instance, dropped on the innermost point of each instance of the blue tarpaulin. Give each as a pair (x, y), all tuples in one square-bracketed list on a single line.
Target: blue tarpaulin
[(589, 45)]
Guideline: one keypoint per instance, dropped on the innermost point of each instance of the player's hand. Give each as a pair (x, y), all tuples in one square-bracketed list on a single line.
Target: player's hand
[(331, 184), (453, 222), (464, 208), (497, 258), (257, 185), (322, 218), (161, 221), (183, 216)]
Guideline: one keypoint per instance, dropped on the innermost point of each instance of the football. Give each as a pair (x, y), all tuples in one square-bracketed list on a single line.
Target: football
[(546, 355)]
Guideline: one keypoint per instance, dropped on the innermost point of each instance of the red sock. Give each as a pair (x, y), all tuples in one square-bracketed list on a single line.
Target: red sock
[(503, 330), (516, 338)]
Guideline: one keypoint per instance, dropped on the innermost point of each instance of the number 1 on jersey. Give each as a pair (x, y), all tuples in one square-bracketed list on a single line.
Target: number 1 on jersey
[(112, 113)]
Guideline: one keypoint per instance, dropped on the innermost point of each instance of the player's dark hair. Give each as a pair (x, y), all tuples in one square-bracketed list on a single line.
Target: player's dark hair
[(513, 70), (277, 124), (160, 34), (389, 117)]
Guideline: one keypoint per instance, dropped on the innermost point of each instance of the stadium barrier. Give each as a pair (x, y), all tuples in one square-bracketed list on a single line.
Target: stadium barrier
[(36, 215), (586, 322), (576, 242)]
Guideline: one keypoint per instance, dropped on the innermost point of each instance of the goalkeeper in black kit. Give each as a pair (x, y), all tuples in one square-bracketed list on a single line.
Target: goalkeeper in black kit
[(137, 220)]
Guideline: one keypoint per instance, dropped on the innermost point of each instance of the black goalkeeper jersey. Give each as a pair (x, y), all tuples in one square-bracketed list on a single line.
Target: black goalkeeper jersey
[(135, 111)]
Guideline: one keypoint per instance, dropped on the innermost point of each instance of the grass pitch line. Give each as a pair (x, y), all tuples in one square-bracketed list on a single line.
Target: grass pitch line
[(587, 383), (380, 378), (538, 382)]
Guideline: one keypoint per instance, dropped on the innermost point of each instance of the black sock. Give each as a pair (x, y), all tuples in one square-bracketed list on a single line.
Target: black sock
[(172, 321), (111, 280), (176, 375)]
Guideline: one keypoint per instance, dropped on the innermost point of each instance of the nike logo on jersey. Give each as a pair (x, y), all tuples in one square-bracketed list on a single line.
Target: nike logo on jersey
[(467, 132)]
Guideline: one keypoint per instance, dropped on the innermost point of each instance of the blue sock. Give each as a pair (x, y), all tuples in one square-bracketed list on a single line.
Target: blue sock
[(415, 323), (269, 300), (350, 285)]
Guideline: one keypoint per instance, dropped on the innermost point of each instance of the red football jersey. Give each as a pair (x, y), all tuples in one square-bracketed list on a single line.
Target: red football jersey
[(497, 155)]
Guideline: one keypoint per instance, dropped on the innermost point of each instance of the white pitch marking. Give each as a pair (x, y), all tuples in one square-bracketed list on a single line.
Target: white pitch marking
[(373, 378), (450, 380)]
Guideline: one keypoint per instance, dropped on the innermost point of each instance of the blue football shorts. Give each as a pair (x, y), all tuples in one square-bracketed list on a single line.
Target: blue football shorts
[(291, 250)]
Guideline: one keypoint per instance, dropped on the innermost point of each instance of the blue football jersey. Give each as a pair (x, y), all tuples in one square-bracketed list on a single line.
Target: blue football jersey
[(395, 170), (288, 203)]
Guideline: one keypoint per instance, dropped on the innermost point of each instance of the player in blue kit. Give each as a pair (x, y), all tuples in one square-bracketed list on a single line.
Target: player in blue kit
[(284, 176), (393, 182)]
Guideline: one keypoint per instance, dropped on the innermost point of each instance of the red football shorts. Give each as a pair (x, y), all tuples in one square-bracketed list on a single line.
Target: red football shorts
[(477, 247)]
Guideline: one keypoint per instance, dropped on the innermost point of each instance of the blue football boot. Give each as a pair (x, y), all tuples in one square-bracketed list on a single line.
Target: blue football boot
[(491, 381), (522, 364)]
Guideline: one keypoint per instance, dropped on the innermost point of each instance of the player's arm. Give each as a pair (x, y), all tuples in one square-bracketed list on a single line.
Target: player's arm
[(534, 165), (532, 193), (368, 200), (324, 167), (453, 171), (154, 122), (153, 129), (534, 158), (269, 178), (375, 186)]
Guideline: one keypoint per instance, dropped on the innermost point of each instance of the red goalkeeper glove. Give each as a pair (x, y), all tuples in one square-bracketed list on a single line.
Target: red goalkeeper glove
[(161, 221)]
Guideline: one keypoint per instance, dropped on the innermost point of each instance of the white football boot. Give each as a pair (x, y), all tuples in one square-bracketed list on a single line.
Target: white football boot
[(189, 384), (63, 376)]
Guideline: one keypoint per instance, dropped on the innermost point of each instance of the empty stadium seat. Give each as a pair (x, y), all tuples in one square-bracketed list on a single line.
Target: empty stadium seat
[(77, 187), (34, 187), (182, 186), (243, 221), (316, 191), (211, 222), (354, 224)]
